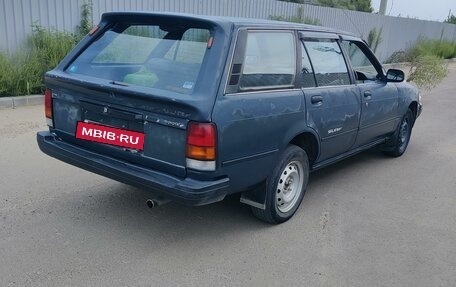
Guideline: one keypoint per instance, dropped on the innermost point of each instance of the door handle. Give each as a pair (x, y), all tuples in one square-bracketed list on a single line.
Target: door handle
[(316, 100), (367, 94)]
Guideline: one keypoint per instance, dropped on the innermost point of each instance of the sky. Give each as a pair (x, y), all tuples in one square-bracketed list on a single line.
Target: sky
[(436, 10)]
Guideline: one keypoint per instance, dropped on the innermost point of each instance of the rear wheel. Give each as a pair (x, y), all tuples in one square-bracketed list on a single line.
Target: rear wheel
[(286, 187), (401, 137)]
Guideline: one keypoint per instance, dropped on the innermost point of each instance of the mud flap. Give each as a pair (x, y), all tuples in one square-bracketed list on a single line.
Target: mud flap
[(255, 197)]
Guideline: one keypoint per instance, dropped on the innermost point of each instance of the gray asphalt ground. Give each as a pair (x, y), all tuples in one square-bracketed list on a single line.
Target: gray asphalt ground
[(367, 221)]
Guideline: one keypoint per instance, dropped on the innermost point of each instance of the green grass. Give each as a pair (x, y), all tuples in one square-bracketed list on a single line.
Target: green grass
[(442, 49), (439, 48), (22, 73)]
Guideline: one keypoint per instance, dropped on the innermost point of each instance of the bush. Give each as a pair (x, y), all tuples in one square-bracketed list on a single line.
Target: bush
[(5, 74), (427, 65), (442, 49), (22, 73), (427, 71), (400, 56), (426, 60), (374, 38), (45, 49)]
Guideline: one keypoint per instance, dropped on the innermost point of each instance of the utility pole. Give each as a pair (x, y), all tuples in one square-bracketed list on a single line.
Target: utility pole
[(383, 5)]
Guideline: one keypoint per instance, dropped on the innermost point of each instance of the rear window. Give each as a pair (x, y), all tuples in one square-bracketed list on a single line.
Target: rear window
[(167, 58)]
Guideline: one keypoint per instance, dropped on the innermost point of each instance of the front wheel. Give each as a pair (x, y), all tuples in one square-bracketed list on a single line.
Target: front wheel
[(401, 137), (285, 187)]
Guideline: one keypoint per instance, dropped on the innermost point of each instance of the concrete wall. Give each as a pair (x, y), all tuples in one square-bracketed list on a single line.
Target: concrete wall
[(17, 16)]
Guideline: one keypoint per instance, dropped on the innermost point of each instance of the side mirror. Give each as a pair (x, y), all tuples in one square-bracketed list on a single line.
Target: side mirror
[(394, 75)]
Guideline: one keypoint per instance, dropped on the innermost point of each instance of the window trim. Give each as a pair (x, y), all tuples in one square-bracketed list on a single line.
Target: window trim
[(303, 46), (367, 52), (317, 35)]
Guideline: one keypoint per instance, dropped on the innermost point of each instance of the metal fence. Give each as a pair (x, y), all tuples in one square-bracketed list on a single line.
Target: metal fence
[(17, 17)]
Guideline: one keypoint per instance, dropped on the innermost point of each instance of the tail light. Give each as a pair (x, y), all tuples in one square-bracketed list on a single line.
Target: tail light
[(48, 107), (201, 144), (94, 30)]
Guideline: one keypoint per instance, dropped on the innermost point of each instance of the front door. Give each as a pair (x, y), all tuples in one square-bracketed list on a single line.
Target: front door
[(379, 107)]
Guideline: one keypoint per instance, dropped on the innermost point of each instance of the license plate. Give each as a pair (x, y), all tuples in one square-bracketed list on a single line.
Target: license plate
[(110, 135)]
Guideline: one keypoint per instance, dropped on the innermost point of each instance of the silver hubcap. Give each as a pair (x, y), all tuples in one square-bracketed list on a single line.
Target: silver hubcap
[(289, 187)]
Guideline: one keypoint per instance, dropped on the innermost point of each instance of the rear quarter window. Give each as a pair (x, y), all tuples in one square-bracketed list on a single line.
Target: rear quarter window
[(270, 60)]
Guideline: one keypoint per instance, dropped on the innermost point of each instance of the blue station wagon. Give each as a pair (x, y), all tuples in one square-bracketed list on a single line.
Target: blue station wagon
[(194, 108)]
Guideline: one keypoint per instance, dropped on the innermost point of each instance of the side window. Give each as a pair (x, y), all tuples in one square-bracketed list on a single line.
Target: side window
[(269, 61), (328, 62), (364, 68), (307, 73)]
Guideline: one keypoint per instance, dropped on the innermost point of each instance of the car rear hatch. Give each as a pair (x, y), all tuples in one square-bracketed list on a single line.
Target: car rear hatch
[(145, 73)]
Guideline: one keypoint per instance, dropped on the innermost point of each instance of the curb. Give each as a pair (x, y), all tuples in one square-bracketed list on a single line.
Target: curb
[(14, 102)]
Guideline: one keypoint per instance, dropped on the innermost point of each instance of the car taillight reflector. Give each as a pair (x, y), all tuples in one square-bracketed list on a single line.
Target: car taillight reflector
[(200, 153), (48, 103), (201, 134), (201, 146)]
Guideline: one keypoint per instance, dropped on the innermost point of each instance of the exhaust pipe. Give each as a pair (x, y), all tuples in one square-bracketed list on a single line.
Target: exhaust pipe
[(151, 203)]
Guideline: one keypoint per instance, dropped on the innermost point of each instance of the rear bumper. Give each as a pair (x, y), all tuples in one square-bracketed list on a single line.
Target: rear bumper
[(183, 190)]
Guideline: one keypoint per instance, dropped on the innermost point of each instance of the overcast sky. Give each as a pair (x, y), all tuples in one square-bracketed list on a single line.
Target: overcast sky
[(421, 9)]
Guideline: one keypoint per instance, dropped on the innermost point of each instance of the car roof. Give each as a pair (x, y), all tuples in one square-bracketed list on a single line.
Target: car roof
[(238, 22)]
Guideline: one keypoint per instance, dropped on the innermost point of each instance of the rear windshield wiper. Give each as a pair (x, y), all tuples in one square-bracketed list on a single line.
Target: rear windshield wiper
[(123, 84)]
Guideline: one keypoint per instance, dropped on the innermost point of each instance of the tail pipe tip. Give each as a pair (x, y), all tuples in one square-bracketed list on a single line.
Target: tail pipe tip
[(151, 203)]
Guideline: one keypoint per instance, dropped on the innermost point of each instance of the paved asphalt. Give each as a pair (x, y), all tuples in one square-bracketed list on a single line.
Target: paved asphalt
[(367, 221)]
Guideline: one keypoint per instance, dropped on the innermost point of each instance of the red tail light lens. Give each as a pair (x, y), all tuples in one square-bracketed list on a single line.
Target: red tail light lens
[(201, 138), (210, 42), (48, 107), (48, 103), (94, 30)]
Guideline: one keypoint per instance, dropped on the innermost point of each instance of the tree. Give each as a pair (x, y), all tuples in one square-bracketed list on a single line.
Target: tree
[(85, 24), (375, 38), (358, 5), (451, 18)]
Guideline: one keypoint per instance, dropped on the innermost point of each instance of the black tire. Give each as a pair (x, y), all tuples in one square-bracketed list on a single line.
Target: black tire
[(401, 138), (286, 186)]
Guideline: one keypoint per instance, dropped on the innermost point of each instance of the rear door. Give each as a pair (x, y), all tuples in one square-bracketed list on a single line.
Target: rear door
[(260, 104), (379, 112), (332, 102)]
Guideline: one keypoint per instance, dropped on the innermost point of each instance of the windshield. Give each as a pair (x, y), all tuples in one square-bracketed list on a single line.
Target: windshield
[(167, 58)]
